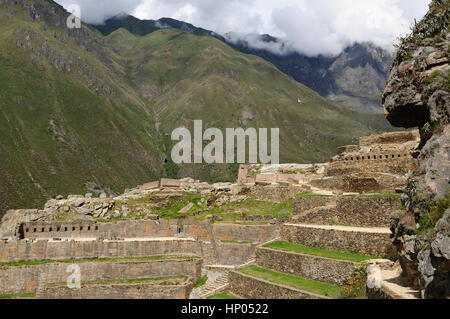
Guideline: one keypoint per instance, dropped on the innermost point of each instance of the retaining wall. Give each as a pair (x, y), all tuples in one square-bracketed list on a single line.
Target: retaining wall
[(373, 212), (333, 271), (45, 249), (115, 230), (255, 233), (235, 254), (394, 165), (274, 193), (358, 242), (21, 279), (122, 291), (255, 288)]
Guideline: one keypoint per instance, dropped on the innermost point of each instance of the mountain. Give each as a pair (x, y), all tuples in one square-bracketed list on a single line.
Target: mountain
[(355, 78), (85, 112)]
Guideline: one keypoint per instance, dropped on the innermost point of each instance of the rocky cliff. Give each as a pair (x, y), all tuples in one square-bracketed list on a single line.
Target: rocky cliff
[(417, 95)]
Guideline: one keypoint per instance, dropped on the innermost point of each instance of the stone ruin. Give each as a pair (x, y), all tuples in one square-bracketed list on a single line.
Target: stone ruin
[(380, 163), (109, 238)]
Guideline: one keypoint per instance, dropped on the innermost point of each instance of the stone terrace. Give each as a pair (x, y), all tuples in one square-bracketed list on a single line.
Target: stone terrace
[(309, 253)]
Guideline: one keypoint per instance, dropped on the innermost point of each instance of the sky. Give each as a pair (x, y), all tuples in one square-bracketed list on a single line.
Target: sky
[(310, 27)]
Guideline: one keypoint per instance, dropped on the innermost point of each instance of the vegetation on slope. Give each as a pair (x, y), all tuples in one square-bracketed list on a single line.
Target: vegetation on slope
[(315, 251), (83, 112)]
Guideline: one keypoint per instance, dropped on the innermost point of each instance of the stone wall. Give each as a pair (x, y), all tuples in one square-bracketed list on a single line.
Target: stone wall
[(313, 267), (358, 242), (44, 249), (85, 240), (361, 182), (21, 279), (255, 233), (82, 229), (361, 211), (275, 193), (115, 230), (253, 288), (138, 228), (304, 203), (122, 291), (399, 164), (235, 254), (390, 138), (147, 229)]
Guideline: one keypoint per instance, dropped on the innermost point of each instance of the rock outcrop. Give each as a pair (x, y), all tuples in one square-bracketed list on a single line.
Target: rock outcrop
[(417, 95)]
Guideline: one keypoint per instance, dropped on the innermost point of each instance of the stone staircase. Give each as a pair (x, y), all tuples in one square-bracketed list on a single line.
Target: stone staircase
[(217, 282)]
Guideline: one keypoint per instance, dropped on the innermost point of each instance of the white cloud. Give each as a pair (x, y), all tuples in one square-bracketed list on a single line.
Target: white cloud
[(97, 11), (308, 26)]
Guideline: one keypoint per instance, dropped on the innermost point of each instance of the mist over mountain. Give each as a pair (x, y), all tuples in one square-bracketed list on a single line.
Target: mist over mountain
[(355, 78)]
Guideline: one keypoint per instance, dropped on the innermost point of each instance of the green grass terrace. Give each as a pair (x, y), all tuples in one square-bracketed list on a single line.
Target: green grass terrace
[(315, 251), (163, 281), (304, 284), (75, 261)]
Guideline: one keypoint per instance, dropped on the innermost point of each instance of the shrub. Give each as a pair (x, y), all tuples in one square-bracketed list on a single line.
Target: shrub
[(355, 287)]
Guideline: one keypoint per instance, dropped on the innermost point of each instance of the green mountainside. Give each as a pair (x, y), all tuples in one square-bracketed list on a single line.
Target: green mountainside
[(83, 112), (355, 78)]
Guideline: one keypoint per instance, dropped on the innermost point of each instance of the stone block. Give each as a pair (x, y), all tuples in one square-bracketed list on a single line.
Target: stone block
[(170, 183), (150, 186)]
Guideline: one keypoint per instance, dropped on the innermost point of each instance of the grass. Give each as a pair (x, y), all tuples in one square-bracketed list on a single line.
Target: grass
[(21, 295), (201, 281), (311, 195), (238, 211), (223, 295), (234, 212), (173, 210), (74, 261), (242, 242), (135, 201), (432, 213), (313, 286), (314, 251), (161, 281)]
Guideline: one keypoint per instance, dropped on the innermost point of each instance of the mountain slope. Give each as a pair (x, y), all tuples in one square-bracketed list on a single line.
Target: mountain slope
[(67, 121), (186, 77), (80, 111), (355, 78)]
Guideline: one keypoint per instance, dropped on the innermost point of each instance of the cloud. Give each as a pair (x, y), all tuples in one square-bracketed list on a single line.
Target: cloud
[(97, 11), (256, 41), (310, 27)]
